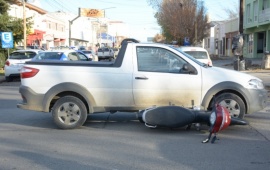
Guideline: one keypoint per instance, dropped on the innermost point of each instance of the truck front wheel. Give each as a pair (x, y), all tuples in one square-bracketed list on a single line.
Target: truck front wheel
[(69, 112), (233, 103)]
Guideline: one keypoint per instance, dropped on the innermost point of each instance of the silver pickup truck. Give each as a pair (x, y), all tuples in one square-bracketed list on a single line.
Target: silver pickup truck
[(136, 80), (105, 53)]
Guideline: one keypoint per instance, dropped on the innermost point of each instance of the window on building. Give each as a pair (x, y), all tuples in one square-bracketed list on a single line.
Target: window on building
[(206, 43), (250, 43), (55, 26), (265, 4), (248, 20), (255, 10)]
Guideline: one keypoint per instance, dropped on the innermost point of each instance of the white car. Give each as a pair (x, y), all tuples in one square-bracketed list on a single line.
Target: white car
[(199, 53), (90, 54), (105, 53), (16, 60)]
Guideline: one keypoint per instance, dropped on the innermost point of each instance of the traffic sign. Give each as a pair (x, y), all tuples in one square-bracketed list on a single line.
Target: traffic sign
[(7, 39), (186, 41)]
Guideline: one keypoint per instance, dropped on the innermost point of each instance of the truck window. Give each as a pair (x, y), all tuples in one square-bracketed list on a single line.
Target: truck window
[(152, 59)]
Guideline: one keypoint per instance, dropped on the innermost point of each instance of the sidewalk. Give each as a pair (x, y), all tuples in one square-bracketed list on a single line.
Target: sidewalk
[(255, 68), (2, 78)]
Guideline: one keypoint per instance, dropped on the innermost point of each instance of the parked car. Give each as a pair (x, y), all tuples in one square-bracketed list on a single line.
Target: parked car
[(29, 47), (105, 53), (82, 48), (199, 53), (63, 55), (90, 54), (16, 60)]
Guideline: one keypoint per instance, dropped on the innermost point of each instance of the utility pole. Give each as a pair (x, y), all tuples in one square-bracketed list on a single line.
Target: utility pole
[(24, 25), (196, 17), (196, 37), (241, 17)]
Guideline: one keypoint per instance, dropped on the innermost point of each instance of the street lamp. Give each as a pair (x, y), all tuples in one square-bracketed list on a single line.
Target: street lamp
[(24, 25)]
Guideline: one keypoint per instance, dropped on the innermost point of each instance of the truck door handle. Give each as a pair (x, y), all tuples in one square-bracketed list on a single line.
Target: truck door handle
[(141, 78)]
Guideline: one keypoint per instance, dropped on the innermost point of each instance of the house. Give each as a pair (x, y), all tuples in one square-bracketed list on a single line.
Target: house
[(214, 44), (231, 30), (256, 24), (36, 35)]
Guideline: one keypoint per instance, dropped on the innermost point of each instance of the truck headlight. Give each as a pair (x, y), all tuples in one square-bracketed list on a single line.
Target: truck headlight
[(255, 84)]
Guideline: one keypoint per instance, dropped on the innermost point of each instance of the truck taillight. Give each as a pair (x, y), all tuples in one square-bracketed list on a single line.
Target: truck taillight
[(7, 63), (28, 72)]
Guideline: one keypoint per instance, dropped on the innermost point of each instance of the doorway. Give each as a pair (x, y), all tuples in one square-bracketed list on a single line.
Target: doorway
[(261, 43)]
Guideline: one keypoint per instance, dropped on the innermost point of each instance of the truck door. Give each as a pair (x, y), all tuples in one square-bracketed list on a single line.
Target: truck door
[(159, 79)]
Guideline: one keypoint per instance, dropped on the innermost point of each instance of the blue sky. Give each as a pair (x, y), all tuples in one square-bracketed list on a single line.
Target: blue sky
[(137, 14)]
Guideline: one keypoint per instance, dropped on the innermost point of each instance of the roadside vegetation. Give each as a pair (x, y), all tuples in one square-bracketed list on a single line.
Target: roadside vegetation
[(180, 21), (2, 72), (11, 24)]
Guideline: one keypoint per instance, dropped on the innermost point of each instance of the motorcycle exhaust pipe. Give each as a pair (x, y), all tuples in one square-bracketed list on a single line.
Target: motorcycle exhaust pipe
[(237, 121)]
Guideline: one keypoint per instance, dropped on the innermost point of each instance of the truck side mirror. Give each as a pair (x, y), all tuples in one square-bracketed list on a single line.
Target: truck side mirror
[(188, 69)]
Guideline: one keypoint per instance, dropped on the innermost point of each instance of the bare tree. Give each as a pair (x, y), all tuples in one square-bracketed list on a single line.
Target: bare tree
[(181, 18), (158, 38), (232, 12)]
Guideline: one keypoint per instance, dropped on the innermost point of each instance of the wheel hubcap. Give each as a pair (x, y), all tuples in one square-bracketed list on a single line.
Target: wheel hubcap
[(232, 106), (69, 113)]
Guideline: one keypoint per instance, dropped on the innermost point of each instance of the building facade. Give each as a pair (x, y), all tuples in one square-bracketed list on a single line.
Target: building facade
[(58, 29), (38, 15), (231, 29), (256, 28)]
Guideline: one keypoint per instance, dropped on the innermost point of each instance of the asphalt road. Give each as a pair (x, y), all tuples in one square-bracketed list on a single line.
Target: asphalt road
[(30, 140)]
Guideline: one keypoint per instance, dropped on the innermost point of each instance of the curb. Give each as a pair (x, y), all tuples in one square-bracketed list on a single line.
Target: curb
[(2, 79)]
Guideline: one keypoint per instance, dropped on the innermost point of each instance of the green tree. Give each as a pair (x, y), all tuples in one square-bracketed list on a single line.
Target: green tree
[(11, 24), (181, 18)]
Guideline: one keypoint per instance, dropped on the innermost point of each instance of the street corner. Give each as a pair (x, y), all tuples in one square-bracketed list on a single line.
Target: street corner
[(2, 75)]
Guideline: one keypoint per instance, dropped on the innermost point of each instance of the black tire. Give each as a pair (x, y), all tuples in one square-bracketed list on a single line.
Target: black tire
[(69, 112), (8, 79), (233, 103)]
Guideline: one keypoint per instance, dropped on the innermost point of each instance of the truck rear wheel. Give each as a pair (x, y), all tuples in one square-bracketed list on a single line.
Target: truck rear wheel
[(69, 112), (233, 103)]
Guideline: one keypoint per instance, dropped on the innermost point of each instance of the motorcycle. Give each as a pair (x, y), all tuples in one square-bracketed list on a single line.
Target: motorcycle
[(175, 116)]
